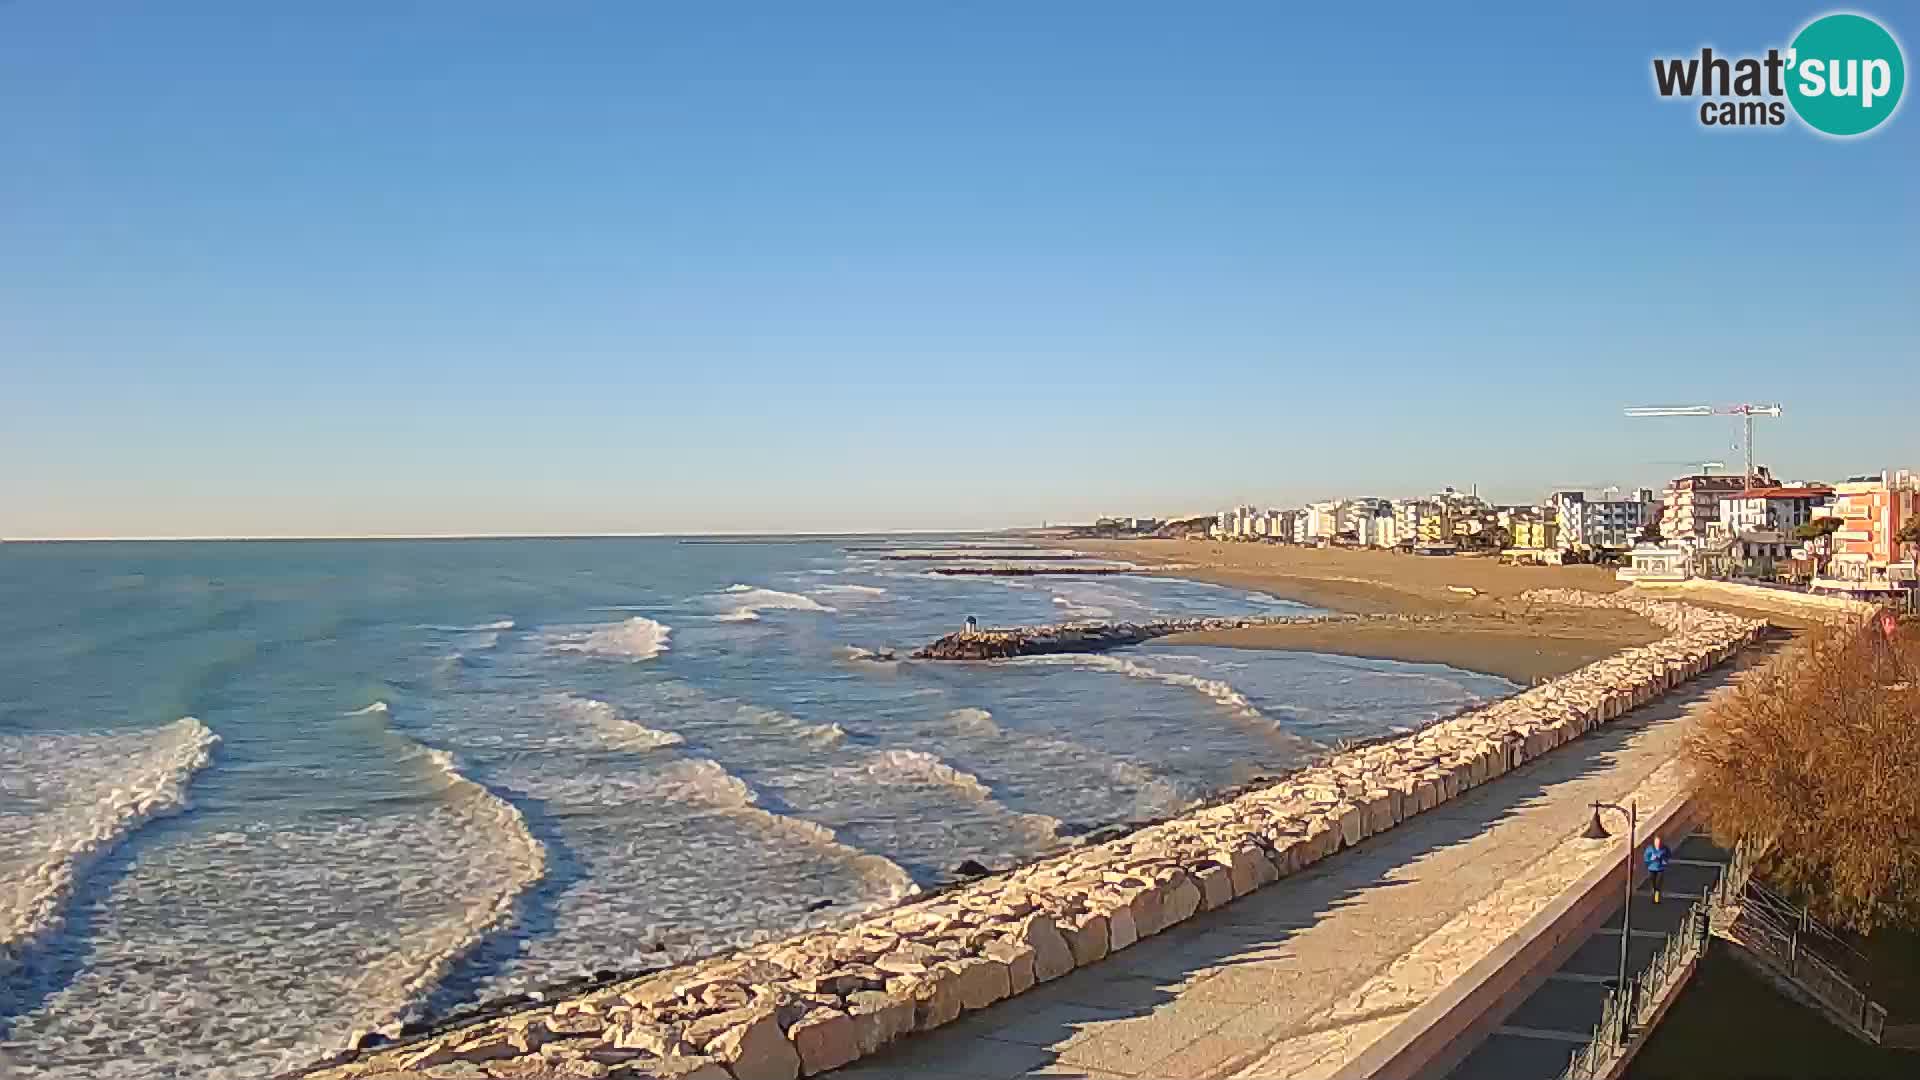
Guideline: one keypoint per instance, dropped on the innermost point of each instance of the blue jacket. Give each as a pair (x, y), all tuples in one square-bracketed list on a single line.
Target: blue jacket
[(1656, 858)]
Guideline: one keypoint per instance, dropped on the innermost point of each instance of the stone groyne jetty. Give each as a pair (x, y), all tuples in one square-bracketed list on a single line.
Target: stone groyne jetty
[(822, 999), (1015, 569), (1085, 637)]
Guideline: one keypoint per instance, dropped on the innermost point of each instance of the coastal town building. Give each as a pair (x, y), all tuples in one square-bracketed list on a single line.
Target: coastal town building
[(1867, 560), (1253, 523), (1657, 562), (1323, 519), (1539, 533), (1783, 508), (1691, 503), (1602, 523), (1408, 514)]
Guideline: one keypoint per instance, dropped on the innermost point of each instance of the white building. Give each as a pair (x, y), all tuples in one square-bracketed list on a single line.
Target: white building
[(1603, 523), (1692, 503), (1657, 562), (1782, 508), (1323, 519)]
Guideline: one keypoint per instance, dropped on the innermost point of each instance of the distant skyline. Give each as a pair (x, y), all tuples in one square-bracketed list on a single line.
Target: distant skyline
[(486, 268)]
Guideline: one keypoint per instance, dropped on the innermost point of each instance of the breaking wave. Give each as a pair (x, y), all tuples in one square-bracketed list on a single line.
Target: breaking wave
[(856, 591), (638, 638), (798, 730), (870, 656), (1073, 609), (925, 767), (615, 728), (748, 602), (396, 990), (706, 780), (974, 721), (922, 767), (105, 792), (1236, 703), (1155, 793)]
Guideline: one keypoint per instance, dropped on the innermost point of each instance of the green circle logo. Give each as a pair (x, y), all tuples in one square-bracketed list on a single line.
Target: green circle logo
[(1845, 74)]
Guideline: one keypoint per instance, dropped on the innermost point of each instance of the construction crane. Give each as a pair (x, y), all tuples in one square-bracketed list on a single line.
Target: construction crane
[(1746, 413), (1705, 467)]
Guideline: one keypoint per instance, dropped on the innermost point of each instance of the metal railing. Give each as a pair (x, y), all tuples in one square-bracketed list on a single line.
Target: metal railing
[(1810, 955), (1628, 1009)]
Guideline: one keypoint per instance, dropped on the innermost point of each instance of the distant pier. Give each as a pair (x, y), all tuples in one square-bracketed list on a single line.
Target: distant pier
[(1088, 637)]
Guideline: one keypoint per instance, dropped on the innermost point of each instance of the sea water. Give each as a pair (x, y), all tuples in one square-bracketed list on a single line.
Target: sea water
[(257, 797)]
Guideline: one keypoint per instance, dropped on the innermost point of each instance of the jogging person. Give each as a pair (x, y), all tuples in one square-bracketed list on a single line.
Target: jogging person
[(1656, 856)]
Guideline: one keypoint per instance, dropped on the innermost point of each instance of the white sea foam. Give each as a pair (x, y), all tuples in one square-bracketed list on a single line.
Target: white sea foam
[(1073, 609), (1236, 703), (918, 766), (780, 723), (855, 592), (638, 638), (869, 656), (1150, 795), (392, 991), (927, 768), (974, 721), (257, 949), (615, 728), (747, 602), (54, 824)]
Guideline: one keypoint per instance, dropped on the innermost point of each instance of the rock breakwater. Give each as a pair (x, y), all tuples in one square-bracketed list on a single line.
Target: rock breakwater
[(822, 999), (1006, 569), (1083, 637)]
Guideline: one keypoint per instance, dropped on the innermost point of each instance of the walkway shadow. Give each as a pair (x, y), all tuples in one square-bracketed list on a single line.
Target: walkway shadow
[(1199, 957)]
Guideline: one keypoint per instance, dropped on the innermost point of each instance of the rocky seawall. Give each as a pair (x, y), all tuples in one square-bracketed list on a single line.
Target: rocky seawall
[(1036, 570), (1082, 637), (822, 999)]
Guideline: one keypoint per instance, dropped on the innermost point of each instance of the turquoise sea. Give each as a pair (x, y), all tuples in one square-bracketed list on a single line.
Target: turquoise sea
[(256, 797)]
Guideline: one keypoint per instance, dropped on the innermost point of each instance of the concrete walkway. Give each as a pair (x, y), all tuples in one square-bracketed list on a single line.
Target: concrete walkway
[(1296, 979), (1558, 1017)]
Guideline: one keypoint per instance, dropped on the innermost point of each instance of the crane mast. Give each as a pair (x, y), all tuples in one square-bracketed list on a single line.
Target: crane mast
[(1746, 413)]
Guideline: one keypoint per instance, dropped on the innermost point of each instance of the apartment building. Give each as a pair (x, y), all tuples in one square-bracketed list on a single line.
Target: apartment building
[(1692, 503), (1778, 508), (1588, 522), (1541, 532), (1867, 560)]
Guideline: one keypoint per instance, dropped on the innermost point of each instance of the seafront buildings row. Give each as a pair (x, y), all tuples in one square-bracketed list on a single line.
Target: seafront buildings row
[(1840, 537)]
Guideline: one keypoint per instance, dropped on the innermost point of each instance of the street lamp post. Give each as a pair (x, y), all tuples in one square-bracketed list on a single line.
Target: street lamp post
[(1598, 831)]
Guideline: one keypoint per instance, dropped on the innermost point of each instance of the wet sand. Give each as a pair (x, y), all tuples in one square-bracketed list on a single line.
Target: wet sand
[(1488, 630)]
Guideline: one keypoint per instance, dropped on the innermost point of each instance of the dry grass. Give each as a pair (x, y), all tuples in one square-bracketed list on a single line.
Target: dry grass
[(1820, 752)]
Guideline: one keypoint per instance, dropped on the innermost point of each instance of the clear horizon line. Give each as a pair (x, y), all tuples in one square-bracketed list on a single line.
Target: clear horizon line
[(494, 535)]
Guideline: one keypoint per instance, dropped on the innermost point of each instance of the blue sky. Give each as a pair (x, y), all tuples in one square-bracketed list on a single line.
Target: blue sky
[(470, 267)]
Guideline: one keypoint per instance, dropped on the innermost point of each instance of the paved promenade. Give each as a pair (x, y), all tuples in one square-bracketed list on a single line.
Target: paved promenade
[(1296, 979), (1558, 1017)]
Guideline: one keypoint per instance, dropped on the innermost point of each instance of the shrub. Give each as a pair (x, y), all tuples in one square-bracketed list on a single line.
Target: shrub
[(1819, 752)]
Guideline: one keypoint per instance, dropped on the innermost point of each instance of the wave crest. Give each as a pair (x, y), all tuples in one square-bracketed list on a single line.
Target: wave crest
[(926, 768), (774, 720), (397, 990), (747, 602), (150, 783), (615, 728), (638, 638), (1229, 698), (706, 780), (974, 721)]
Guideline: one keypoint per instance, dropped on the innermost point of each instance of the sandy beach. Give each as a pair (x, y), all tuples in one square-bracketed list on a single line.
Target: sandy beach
[(1486, 630)]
